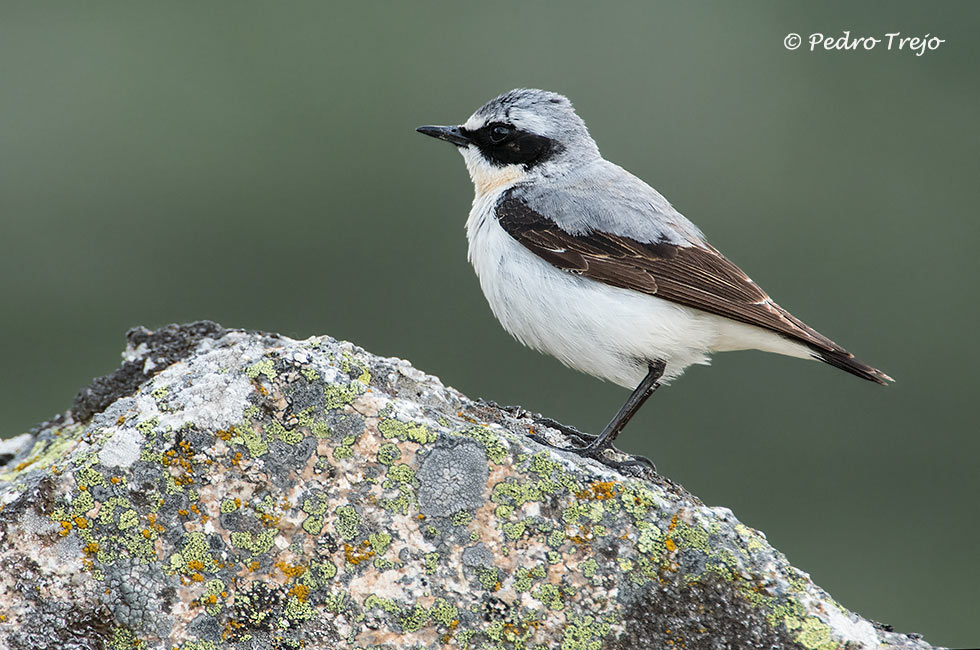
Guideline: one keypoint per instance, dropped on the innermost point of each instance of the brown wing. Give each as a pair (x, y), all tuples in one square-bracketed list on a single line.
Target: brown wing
[(694, 276)]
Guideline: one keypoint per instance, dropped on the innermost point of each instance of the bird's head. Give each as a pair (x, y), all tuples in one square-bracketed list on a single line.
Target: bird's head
[(518, 136)]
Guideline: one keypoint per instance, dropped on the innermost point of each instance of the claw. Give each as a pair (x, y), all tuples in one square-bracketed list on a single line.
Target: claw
[(595, 453)]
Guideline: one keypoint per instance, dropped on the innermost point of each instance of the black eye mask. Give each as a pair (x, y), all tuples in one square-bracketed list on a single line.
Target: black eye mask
[(504, 144)]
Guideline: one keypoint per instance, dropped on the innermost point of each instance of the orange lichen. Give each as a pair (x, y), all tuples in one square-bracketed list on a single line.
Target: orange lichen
[(268, 520), (355, 556), (292, 570), (600, 491), (302, 592), (448, 636)]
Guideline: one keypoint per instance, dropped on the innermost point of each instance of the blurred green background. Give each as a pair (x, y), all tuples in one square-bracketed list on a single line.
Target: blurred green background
[(256, 163)]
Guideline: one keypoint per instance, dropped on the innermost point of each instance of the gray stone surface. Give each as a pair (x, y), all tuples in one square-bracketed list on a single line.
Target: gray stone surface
[(231, 489)]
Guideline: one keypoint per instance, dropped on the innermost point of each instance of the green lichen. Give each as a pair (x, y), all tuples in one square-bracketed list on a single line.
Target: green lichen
[(374, 601), (107, 512), (388, 453), (275, 431), (496, 451), (401, 503), (89, 477), (489, 577), (264, 367), (522, 579), (514, 530), (252, 440), (815, 635), (345, 449), (340, 395), (461, 518), (556, 538), (753, 542), (588, 567), (82, 503), (406, 431), (297, 609), (335, 602), (636, 500), (347, 523), (313, 525), (398, 474), (431, 563), (349, 363), (125, 639), (255, 544), (543, 465), (550, 596), (414, 619), (503, 512), (213, 590), (443, 612), (379, 542), (686, 536), (317, 503), (589, 510), (514, 492), (651, 542), (320, 573), (583, 633), (128, 519), (194, 557), (148, 427)]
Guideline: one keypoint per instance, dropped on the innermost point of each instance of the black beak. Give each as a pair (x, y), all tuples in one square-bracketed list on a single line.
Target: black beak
[(452, 134)]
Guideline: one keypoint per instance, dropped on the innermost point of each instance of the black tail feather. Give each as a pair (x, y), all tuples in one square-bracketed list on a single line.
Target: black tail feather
[(845, 361)]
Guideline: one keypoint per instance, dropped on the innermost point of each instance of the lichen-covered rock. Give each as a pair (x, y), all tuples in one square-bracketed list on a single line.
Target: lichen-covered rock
[(231, 489)]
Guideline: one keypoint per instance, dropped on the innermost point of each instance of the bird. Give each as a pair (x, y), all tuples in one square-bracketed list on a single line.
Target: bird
[(580, 259)]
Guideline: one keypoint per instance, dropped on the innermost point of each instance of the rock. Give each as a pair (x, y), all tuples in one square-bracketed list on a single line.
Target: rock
[(232, 489)]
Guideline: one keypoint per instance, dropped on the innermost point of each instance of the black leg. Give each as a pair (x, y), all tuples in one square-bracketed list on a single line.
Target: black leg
[(604, 440)]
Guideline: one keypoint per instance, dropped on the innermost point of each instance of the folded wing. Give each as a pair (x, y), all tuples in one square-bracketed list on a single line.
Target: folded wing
[(694, 276)]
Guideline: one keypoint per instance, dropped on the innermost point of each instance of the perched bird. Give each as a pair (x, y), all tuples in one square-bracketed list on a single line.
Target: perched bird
[(582, 260)]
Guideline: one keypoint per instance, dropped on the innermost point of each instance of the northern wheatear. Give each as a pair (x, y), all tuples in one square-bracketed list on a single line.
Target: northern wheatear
[(582, 260)]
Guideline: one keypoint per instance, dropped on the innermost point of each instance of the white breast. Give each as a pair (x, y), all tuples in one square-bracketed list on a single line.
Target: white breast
[(604, 331)]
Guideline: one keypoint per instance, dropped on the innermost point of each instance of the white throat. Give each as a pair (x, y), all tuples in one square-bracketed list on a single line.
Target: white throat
[(490, 180)]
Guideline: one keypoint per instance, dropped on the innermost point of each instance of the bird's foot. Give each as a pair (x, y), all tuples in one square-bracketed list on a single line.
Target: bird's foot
[(588, 448), (579, 438), (598, 453)]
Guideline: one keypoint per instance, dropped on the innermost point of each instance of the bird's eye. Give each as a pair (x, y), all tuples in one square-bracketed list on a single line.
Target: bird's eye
[(500, 132)]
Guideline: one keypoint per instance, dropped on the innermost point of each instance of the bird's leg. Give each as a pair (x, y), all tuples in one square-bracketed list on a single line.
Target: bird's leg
[(604, 440)]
